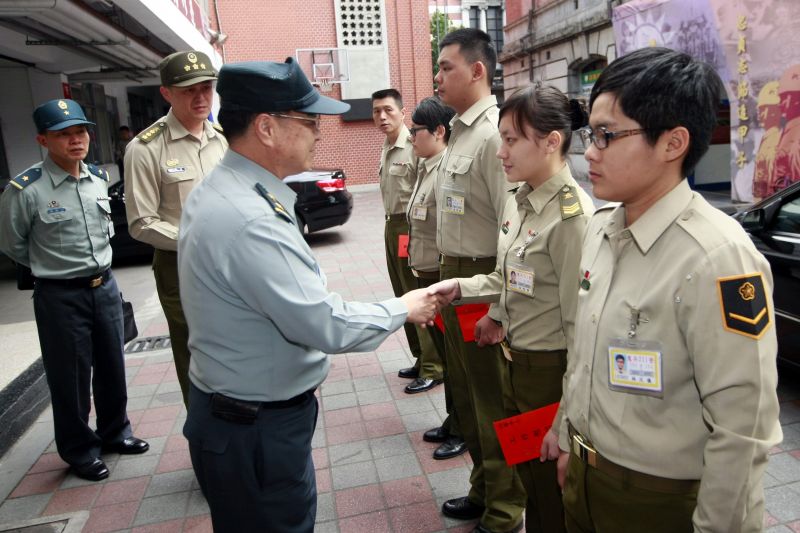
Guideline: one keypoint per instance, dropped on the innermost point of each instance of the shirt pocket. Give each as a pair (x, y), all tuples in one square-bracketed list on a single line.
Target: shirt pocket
[(457, 170), (176, 184), (104, 218), (59, 226)]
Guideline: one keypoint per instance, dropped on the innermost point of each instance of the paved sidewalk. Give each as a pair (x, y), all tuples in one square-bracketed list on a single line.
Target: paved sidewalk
[(374, 472)]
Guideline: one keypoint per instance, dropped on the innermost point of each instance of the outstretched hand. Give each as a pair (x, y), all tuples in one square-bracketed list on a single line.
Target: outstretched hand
[(448, 290), (422, 306)]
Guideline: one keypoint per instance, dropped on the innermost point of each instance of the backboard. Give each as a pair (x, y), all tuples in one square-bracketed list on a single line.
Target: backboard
[(324, 66)]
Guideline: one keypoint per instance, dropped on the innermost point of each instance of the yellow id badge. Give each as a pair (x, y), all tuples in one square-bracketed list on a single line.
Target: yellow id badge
[(506, 350), (519, 278), (453, 200), (635, 366), (419, 212)]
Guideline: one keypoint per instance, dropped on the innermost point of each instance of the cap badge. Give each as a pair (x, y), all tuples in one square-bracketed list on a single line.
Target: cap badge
[(172, 162), (187, 68), (52, 203), (191, 57), (62, 104)]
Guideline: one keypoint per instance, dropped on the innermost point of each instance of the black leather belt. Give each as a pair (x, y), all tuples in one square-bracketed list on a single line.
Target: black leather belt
[(396, 216), (421, 274), (245, 412), (91, 282), (448, 260)]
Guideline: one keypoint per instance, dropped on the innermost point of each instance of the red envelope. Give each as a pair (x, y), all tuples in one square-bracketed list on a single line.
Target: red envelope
[(521, 436), (439, 322), (402, 245), (468, 315)]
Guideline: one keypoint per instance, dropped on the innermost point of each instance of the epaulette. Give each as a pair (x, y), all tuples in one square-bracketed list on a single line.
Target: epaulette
[(274, 203), (570, 203), (26, 178), (152, 132), (98, 172), (217, 127)]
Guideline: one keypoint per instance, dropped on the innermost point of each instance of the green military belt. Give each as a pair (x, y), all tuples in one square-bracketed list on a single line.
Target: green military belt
[(433, 274), (583, 449), (447, 260), (396, 216), (536, 357)]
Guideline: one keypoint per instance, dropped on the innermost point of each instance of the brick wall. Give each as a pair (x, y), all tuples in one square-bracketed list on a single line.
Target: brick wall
[(273, 30)]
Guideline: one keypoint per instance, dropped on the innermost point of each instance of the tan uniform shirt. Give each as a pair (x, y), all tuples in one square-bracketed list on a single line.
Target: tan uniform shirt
[(397, 173), (540, 315), (471, 188), (718, 414), (423, 254), (161, 173)]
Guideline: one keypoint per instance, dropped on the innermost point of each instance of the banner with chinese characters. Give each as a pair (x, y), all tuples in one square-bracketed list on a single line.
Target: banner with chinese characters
[(755, 47)]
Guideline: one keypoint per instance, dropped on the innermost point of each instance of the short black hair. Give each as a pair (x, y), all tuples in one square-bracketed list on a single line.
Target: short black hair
[(663, 89), (124, 128), (475, 45), (620, 357), (431, 113), (389, 93), (235, 122), (545, 109)]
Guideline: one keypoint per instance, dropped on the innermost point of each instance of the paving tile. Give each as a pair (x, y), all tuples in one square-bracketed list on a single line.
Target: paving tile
[(198, 524), (320, 458), (24, 508), (319, 439), (367, 371), (157, 368), (377, 522), (422, 421), (168, 526), (369, 383), (70, 500), (346, 433), (111, 517), (134, 467), (769, 520), (406, 491), (784, 467), (781, 502), (146, 379), (394, 365), (326, 527), (176, 443), (790, 413), (414, 404), (339, 417), (378, 410), (340, 401), (162, 508), (145, 430), (452, 483), (367, 397), (39, 483), (431, 465), (338, 374), (167, 398), (157, 414), (384, 426), (354, 475), (173, 461), (171, 482), (337, 387), (778, 529), (390, 446), (417, 518), (348, 453), (145, 391), (325, 507), (197, 504), (398, 467), (126, 490), (323, 478), (358, 500), (361, 359), (393, 355), (47, 463)]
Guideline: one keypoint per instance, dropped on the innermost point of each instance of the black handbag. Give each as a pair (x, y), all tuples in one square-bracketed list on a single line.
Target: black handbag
[(128, 321)]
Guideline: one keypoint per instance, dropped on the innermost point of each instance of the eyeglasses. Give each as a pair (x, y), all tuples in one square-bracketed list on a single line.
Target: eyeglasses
[(413, 131), (600, 137), (314, 119)]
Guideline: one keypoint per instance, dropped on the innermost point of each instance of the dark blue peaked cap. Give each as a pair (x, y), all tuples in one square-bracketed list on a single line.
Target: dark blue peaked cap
[(59, 114), (267, 87)]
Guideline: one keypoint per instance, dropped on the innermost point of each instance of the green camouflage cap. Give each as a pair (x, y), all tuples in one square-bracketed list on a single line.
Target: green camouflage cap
[(183, 69)]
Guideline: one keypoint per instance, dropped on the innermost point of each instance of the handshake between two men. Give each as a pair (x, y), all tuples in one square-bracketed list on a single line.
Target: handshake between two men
[(423, 304)]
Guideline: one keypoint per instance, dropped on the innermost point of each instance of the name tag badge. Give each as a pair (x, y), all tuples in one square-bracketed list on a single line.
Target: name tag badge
[(506, 350), (419, 212), (519, 278), (453, 197), (176, 170), (56, 210), (635, 366)]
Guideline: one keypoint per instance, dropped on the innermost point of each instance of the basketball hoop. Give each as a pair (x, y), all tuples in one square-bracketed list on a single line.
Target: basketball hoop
[(325, 85)]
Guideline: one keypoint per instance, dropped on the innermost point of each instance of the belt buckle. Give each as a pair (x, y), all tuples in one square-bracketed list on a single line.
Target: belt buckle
[(96, 282), (586, 453), (388, 217)]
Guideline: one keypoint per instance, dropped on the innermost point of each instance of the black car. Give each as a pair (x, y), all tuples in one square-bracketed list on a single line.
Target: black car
[(323, 200), (123, 245), (774, 226)]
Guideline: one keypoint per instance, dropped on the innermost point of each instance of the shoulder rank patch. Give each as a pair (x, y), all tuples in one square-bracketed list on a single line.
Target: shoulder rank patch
[(26, 178), (217, 127), (743, 301), (570, 203), (98, 172), (152, 132), (274, 203)]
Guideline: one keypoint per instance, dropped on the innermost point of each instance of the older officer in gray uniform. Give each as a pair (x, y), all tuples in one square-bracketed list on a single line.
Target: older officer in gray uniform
[(260, 317), (55, 219)]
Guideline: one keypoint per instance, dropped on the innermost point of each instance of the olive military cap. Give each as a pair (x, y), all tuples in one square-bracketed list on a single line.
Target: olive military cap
[(59, 114), (267, 87), (183, 69)]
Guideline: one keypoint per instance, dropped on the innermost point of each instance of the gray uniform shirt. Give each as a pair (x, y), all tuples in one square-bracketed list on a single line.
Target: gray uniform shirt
[(57, 225), (260, 317)]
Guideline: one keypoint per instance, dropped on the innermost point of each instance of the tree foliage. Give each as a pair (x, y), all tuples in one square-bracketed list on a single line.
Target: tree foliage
[(441, 25)]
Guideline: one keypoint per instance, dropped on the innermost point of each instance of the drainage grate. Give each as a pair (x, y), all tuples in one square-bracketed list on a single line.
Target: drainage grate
[(148, 344)]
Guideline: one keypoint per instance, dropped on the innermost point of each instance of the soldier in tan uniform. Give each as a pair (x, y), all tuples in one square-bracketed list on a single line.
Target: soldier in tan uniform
[(675, 438), (430, 132), (398, 174), (471, 193), (538, 253), (162, 165)]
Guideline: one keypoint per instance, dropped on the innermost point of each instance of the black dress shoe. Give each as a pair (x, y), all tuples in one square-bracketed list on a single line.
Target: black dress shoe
[(480, 529), (462, 509), (452, 447), (129, 446), (422, 385), (408, 373), (94, 471), (439, 434)]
